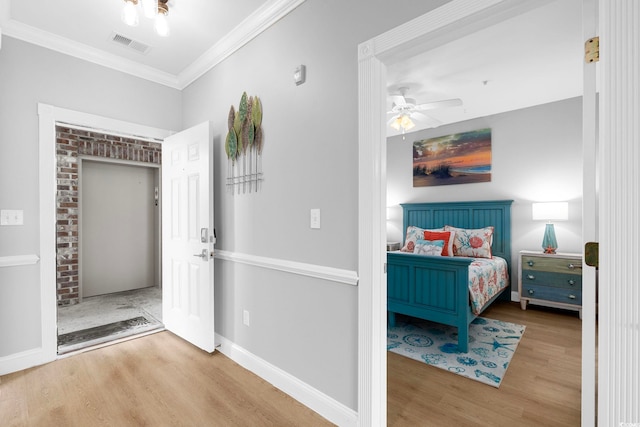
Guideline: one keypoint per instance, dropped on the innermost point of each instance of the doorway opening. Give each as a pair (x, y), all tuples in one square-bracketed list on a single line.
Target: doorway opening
[(108, 280)]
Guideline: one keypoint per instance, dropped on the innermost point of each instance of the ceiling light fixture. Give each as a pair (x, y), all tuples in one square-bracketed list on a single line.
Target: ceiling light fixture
[(162, 24), (129, 13), (153, 9), (403, 121)]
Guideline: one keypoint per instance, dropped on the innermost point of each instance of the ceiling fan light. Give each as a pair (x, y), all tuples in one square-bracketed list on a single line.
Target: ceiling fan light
[(396, 123), (150, 8), (407, 123), (129, 13)]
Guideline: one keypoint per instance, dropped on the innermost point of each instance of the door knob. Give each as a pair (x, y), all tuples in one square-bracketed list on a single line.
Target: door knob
[(204, 254)]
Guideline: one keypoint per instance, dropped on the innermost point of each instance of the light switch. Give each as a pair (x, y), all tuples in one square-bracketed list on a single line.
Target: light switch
[(11, 217), (315, 218)]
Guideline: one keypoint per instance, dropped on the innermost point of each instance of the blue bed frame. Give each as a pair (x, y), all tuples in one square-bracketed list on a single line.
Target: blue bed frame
[(436, 288)]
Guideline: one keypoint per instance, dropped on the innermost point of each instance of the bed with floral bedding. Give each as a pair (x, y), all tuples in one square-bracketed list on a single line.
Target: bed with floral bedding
[(454, 262)]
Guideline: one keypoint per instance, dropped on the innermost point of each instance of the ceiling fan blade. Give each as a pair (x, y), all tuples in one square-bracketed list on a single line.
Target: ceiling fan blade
[(428, 120), (391, 120), (439, 104), (398, 100)]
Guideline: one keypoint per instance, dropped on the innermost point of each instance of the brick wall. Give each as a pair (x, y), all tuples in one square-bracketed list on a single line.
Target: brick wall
[(70, 144)]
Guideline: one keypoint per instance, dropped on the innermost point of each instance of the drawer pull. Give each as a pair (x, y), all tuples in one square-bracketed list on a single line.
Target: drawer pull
[(530, 263), (571, 282), (531, 277), (572, 296), (573, 266), (530, 291)]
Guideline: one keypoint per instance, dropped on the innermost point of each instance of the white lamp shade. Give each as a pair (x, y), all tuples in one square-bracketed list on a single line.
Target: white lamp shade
[(550, 211)]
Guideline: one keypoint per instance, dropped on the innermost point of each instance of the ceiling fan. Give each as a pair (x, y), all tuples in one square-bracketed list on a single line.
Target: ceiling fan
[(405, 109)]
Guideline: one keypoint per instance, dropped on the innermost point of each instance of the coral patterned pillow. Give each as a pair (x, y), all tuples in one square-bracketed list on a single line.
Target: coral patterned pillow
[(413, 234), (447, 236), (474, 243), (429, 247)]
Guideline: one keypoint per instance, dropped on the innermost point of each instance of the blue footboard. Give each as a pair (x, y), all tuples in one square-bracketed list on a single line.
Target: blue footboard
[(431, 288), (436, 288)]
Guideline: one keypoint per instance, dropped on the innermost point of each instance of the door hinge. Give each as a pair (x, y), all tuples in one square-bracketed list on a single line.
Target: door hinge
[(592, 50)]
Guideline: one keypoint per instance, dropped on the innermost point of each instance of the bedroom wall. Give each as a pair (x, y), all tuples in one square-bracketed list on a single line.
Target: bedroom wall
[(28, 75), (302, 325), (536, 156)]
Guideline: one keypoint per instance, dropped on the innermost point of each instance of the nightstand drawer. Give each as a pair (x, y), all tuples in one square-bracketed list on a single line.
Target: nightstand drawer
[(566, 296), (560, 280), (555, 265)]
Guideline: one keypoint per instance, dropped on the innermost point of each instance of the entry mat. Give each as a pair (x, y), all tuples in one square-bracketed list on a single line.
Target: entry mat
[(100, 334)]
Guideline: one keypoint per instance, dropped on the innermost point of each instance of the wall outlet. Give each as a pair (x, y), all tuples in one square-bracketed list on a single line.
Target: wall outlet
[(245, 317)]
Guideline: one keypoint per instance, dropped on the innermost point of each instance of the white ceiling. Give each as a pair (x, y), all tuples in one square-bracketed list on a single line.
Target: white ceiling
[(203, 32), (530, 59)]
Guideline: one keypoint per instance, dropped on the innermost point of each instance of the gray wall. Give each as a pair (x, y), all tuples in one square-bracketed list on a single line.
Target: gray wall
[(29, 75), (536, 156), (307, 327)]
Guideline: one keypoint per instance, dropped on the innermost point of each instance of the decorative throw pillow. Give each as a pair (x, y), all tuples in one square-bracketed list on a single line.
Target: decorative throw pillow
[(474, 243), (413, 234), (447, 236), (429, 247)]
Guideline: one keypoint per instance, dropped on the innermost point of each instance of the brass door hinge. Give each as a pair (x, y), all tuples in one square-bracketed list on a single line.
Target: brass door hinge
[(592, 50), (591, 254)]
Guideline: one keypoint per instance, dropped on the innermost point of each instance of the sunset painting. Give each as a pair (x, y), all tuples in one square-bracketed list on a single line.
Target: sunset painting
[(461, 158)]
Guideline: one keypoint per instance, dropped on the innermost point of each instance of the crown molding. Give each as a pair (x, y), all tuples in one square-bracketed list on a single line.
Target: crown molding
[(247, 30), (263, 18)]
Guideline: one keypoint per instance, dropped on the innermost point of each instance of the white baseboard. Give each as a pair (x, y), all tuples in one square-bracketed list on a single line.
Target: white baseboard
[(515, 296), (23, 360), (324, 405)]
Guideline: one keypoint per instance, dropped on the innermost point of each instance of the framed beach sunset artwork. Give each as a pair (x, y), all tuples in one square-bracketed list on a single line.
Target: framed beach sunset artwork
[(461, 158)]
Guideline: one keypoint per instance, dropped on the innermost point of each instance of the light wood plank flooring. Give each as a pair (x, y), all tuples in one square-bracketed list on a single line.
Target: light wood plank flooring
[(159, 380), (541, 386)]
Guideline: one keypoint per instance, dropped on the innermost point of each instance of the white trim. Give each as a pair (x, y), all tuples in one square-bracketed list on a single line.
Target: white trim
[(15, 260), (445, 23), (618, 214), (324, 405), (20, 361), (265, 16), (317, 271), (48, 116)]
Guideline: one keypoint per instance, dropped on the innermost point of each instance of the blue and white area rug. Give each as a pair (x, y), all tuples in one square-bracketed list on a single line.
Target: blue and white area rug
[(492, 343)]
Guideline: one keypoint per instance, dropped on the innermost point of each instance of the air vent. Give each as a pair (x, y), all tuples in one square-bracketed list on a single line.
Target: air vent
[(131, 44)]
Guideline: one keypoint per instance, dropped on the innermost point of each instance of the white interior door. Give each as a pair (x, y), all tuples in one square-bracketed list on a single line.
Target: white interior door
[(589, 218), (187, 236)]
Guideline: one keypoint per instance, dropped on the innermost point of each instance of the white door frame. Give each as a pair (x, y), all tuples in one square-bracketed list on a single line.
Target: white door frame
[(439, 26), (49, 116)]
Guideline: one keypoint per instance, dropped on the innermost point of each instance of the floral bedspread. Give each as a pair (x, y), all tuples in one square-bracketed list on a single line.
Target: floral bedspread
[(487, 277)]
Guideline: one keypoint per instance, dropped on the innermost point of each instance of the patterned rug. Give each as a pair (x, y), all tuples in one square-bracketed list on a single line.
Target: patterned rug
[(492, 343)]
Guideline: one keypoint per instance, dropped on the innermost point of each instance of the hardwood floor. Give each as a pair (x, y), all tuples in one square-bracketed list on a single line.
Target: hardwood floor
[(157, 380), (541, 386)]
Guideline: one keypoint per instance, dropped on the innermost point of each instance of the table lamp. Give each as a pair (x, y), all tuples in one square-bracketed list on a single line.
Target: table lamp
[(550, 211)]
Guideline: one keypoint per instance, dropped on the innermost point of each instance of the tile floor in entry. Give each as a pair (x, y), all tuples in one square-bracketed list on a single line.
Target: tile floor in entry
[(105, 309)]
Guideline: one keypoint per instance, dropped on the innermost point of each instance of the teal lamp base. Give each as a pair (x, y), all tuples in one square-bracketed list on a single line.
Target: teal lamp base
[(549, 243)]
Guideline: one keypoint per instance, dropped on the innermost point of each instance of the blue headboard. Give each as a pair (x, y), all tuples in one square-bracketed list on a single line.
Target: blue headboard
[(465, 215)]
